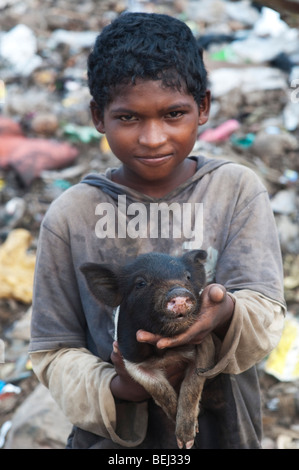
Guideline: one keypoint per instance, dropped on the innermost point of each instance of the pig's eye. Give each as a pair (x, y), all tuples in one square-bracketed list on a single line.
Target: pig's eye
[(140, 283), (188, 276)]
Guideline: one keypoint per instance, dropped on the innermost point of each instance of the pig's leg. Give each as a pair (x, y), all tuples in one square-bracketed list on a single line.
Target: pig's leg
[(190, 395), (156, 384), (188, 408)]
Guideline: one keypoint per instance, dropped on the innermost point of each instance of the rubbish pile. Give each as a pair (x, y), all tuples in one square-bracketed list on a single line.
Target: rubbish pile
[(48, 143)]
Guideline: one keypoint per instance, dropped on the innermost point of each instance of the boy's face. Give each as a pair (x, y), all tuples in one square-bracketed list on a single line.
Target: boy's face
[(152, 129)]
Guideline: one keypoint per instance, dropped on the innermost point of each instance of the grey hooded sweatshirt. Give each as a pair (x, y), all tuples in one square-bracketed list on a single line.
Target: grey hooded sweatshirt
[(224, 209)]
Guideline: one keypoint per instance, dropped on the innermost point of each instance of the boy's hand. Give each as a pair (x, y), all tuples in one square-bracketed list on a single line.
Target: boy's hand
[(216, 312), (124, 387)]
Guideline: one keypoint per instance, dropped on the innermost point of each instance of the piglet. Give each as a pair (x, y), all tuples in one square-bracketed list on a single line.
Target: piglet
[(160, 294)]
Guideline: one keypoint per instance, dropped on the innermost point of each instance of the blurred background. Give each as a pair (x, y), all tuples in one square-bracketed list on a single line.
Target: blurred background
[(48, 143)]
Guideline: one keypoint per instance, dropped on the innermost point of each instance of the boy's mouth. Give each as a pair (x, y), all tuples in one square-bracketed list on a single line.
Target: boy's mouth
[(155, 160)]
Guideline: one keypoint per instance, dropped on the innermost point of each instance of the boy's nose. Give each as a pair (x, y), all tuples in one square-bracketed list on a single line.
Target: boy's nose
[(152, 135)]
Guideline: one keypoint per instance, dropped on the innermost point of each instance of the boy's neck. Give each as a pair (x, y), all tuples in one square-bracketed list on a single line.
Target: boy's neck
[(155, 188)]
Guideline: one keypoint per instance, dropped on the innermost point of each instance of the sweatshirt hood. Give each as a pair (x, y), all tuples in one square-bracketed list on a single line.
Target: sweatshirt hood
[(104, 181)]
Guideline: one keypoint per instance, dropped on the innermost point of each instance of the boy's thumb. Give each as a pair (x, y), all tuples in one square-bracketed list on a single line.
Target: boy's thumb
[(217, 293)]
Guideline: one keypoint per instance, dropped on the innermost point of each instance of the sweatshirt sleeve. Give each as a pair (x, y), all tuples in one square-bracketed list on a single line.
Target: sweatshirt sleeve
[(255, 330), (249, 265), (76, 377)]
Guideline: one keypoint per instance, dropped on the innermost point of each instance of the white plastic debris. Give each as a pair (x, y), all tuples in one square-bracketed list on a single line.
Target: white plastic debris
[(226, 79), (3, 432), (76, 40), (242, 11), (18, 47), (257, 50), (284, 202), (269, 23)]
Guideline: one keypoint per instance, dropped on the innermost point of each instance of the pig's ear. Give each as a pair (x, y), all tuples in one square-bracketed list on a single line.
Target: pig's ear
[(195, 256), (102, 281)]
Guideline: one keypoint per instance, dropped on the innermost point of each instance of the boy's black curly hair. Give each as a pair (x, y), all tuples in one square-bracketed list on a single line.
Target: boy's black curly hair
[(148, 46)]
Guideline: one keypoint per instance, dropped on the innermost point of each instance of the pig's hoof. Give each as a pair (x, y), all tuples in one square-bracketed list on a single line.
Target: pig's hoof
[(180, 443), (186, 430), (188, 444)]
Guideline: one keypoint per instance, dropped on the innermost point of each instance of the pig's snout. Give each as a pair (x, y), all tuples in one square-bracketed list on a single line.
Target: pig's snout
[(180, 302), (180, 305)]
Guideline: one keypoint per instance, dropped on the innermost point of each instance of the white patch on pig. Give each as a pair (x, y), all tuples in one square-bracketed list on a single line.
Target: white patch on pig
[(116, 315), (152, 370), (210, 264)]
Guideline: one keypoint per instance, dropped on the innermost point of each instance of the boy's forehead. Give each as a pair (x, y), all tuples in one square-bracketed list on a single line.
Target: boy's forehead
[(131, 93)]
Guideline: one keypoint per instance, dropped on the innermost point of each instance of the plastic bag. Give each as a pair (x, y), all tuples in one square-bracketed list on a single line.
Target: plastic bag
[(29, 157), (17, 266), (283, 362)]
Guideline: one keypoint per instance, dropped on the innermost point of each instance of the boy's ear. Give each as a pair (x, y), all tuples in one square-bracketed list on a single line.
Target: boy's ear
[(204, 109), (97, 117)]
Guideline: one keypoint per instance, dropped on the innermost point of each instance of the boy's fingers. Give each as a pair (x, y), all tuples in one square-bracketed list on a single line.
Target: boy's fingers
[(146, 337), (116, 356), (170, 342), (215, 293)]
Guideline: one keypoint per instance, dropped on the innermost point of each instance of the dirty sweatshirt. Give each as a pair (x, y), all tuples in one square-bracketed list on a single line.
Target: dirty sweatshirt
[(224, 209)]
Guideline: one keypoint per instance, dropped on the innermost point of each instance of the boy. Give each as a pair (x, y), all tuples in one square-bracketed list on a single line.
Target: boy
[(149, 95)]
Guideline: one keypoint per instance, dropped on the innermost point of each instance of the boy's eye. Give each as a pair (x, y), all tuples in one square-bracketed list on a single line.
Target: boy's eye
[(174, 114), (127, 118)]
